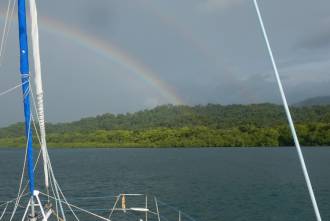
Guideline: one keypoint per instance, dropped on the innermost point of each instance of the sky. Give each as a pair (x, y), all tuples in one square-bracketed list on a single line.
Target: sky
[(122, 56)]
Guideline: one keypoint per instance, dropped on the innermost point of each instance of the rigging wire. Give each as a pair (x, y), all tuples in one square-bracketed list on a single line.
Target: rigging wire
[(7, 28), (177, 210), (12, 89), (50, 169), (78, 208), (56, 205), (287, 110), (22, 176), (4, 211), (65, 200), (11, 201), (21, 193), (55, 193), (114, 206)]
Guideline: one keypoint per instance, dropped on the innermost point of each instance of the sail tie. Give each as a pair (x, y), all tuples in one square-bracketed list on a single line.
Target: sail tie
[(25, 76)]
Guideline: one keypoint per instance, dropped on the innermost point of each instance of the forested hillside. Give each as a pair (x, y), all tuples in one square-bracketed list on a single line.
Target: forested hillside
[(174, 126), (322, 100)]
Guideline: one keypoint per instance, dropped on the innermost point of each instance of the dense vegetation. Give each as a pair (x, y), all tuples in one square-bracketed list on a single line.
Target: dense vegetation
[(184, 126)]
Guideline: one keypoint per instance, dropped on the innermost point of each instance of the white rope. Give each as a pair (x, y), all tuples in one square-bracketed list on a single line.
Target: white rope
[(12, 89), (11, 201), (34, 168), (50, 169), (27, 91), (114, 206), (7, 28), (20, 191), (93, 197), (157, 209), (58, 190), (287, 110), (4, 211), (65, 200), (81, 209), (22, 176), (56, 206), (37, 135), (54, 193), (53, 185)]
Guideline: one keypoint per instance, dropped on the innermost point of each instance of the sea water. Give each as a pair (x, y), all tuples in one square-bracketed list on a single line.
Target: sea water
[(207, 184)]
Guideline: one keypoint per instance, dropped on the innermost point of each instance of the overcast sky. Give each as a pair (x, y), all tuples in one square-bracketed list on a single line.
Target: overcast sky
[(126, 55)]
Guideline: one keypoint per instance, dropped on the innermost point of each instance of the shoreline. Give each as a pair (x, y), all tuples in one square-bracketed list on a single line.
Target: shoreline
[(130, 147)]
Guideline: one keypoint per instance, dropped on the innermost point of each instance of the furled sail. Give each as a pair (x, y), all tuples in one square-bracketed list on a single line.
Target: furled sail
[(38, 84)]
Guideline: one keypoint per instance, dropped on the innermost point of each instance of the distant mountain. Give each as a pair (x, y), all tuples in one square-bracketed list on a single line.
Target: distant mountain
[(314, 101)]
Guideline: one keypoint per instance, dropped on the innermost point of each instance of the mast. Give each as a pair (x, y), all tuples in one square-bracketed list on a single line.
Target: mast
[(289, 117), (38, 84), (25, 75)]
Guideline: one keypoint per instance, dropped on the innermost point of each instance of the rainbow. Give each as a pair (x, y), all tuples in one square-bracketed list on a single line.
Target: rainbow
[(112, 52)]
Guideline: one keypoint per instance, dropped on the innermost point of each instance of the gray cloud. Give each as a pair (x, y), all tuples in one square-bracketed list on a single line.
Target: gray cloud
[(317, 36), (207, 51), (320, 40), (214, 5)]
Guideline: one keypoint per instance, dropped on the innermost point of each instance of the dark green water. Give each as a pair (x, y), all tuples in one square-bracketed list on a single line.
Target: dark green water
[(229, 184)]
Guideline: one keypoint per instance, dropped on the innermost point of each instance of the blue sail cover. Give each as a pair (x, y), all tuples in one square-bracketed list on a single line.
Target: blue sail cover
[(24, 68)]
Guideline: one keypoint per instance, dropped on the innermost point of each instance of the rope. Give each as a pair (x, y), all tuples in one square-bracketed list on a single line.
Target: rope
[(50, 169), (11, 201), (114, 206), (5, 27), (177, 210), (21, 194), (56, 206), (22, 176), (26, 92), (56, 215), (287, 110), (78, 208), (4, 211), (92, 197), (54, 193), (5, 33), (11, 89), (65, 200)]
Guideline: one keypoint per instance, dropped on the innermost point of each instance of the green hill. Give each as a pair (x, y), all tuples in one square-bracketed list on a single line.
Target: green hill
[(314, 101), (172, 126)]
